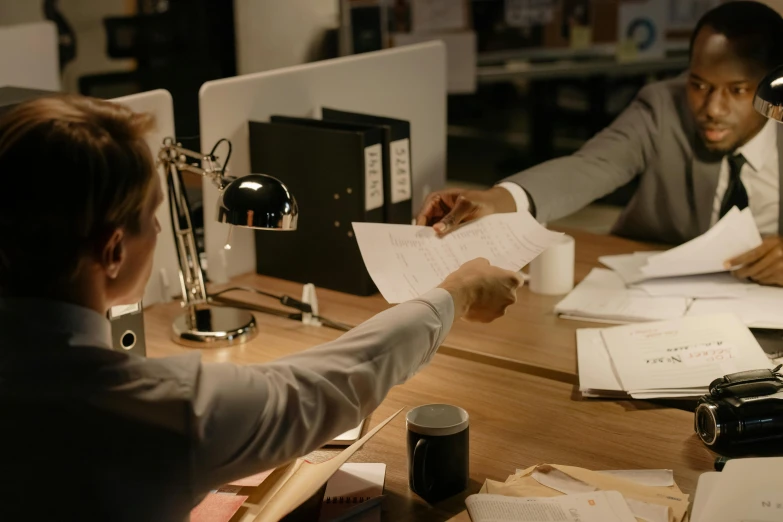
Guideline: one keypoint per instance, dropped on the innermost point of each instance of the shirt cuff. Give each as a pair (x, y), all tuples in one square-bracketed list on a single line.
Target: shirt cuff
[(441, 301), (519, 195)]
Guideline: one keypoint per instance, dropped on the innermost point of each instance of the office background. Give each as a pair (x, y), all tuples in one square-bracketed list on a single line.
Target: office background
[(526, 90)]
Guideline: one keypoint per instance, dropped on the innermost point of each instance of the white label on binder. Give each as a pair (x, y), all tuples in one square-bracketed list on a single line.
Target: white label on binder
[(373, 177), (400, 170)]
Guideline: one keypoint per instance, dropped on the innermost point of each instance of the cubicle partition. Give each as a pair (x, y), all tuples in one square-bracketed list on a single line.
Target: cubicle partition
[(407, 83), (164, 282)]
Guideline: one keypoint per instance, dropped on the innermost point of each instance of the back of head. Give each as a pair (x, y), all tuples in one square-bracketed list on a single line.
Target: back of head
[(72, 170), (754, 29)]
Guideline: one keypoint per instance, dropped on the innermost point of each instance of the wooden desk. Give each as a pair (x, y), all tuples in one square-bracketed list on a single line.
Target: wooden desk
[(529, 338), (517, 419)]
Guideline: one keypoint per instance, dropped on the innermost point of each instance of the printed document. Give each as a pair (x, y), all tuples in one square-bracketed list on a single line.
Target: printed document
[(684, 353), (760, 307), (602, 296), (735, 234), (407, 261)]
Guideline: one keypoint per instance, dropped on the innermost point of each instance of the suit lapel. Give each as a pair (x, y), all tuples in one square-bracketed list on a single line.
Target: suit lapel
[(705, 183)]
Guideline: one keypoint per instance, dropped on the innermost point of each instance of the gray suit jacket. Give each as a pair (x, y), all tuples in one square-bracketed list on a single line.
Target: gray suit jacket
[(655, 138)]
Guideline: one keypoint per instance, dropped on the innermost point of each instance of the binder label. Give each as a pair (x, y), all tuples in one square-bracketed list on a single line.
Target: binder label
[(400, 170), (373, 177)]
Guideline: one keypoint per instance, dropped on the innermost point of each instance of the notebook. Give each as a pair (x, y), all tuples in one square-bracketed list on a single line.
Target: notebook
[(351, 485)]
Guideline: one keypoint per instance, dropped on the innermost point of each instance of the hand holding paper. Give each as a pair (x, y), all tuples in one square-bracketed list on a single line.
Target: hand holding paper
[(763, 264), (407, 261), (482, 292)]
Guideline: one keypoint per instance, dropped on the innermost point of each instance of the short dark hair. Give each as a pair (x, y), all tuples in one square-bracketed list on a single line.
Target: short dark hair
[(72, 169), (755, 29)]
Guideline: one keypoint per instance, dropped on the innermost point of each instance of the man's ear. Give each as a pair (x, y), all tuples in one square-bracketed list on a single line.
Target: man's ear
[(113, 253)]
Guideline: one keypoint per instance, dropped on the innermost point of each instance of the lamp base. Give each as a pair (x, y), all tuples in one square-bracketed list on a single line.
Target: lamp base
[(207, 326)]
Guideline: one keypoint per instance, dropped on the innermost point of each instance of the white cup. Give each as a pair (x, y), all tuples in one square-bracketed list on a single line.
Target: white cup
[(552, 273)]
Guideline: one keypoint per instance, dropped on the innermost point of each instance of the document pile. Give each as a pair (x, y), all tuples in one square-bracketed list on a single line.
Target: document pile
[(734, 234), (406, 261), (667, 359), (602, 296), (687, 280), (563, 493), (746, 489), (298, 489)]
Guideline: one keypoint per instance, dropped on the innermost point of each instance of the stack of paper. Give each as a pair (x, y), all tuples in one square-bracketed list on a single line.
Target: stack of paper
[(668, 359), (537, 493), (735, 234), (280, 491), (687, 280), (746, 490), (759, 307), (602, 296)]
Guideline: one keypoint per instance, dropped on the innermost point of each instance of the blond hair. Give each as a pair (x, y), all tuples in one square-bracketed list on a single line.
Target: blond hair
[(72, 170)]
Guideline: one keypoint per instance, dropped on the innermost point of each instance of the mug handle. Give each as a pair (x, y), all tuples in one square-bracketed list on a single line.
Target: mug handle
[(420, 484)]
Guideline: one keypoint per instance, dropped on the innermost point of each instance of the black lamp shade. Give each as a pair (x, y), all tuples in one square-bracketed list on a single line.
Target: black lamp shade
[(769, 95), (258, 201)]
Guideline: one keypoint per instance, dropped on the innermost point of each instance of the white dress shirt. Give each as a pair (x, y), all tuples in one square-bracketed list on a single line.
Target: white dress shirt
[(759, 175), (163, 432)]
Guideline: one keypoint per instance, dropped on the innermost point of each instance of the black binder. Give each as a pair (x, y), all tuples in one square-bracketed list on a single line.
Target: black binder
[(335, 172), (397, 155)]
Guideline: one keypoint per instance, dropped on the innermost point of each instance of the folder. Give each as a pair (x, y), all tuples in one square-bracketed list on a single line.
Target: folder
[(397, 159), (335, 172)]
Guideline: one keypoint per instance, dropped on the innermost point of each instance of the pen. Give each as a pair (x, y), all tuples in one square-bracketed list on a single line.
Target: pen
[(359, 509)]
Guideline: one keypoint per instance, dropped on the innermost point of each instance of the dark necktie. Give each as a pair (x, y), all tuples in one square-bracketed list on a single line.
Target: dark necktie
[(736, 195)]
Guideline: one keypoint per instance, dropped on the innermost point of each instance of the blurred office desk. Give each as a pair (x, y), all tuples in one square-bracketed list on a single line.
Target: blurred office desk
[(530, 338), (517, 420)]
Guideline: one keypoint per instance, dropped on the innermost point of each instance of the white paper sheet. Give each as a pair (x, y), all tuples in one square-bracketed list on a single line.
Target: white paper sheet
[(406, 261), (628, 266), (760, 307), (748, 490), (656, 478), (707, 286), (595, 366), (603, 295), (683, 353), (735, 234), (707, 483), (568, 485), (598, 506)]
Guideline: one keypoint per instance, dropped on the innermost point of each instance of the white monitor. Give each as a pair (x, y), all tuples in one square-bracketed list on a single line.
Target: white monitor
[(408, 83), (164, 281)]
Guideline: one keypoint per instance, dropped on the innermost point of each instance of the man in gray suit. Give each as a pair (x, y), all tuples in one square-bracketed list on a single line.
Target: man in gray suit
[(695, 142)]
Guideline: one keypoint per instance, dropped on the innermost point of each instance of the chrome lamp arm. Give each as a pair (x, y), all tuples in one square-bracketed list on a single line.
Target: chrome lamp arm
[(253, 201), (174, 159)]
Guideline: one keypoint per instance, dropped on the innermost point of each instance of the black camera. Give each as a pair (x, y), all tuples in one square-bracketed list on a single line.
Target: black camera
[(740, 408)]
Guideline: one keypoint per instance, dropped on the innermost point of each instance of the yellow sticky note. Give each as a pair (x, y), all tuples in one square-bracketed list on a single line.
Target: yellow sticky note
[(627, 51), (581, 36)]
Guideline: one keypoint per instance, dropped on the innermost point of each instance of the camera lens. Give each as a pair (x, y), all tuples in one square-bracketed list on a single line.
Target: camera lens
[(707, 426)]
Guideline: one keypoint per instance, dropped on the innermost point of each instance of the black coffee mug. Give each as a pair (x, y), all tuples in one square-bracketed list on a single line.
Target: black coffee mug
[(438, 451)]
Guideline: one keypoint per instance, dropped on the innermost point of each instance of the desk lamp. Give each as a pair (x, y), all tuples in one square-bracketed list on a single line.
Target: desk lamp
[(253, 201), (769, 95)]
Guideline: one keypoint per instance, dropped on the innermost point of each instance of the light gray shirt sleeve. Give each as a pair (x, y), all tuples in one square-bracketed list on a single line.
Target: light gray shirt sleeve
[(252, 418), (608, 161)]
